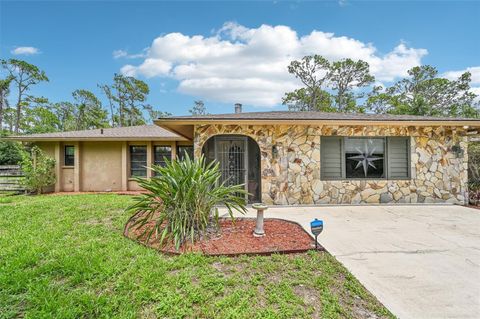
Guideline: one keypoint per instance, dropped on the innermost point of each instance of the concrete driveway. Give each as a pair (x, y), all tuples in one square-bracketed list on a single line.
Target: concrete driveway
[(420, 261)]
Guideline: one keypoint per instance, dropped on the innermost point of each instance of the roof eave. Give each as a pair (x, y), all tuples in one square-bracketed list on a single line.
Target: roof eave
[(27, 138), (472, 123)]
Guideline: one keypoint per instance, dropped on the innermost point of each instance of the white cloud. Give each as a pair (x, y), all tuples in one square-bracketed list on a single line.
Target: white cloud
[(249, 65), (475, 71), (476, 90), (25, 51), (117, 54), (149, 68), (475, 83)]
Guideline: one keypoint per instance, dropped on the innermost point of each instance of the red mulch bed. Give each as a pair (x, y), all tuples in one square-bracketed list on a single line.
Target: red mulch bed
[(236, 238)]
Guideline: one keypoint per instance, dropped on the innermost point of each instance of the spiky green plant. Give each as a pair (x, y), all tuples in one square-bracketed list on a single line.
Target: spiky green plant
[(183, 200)]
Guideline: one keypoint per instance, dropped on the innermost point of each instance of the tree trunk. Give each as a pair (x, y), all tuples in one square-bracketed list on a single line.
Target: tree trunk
[(111, 113), (10, 125), (120, 111), (81, 118), (2, 101), (19, 110), (313, 107)]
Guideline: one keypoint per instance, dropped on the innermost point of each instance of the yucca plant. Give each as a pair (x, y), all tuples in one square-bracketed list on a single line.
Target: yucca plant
[(182, 199)]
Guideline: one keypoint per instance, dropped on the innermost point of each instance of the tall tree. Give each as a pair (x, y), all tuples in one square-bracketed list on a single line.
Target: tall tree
[(301, 100), (126, 96), (4, 92), (24, 75), (9, 118), (198, 108), (424, 93), (39, 116), (311, 71), (107, 90), (89, 111), (343, 77), (66, 114), (328, 86), (155, 114)]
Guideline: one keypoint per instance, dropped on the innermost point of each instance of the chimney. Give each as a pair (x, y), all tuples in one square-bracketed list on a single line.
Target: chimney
[(238, 108)]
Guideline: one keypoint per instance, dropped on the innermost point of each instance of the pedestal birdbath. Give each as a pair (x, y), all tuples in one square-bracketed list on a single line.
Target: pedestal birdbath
[(260, 207)]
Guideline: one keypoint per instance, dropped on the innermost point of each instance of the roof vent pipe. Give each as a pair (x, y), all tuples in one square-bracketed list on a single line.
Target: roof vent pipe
[(101, 131), (238, 108)]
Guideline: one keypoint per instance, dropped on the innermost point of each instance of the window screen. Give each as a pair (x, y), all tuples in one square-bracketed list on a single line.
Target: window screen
[(162, 153), (69, 155), (398, 157), (331, 157), (182, 150), (138, 160)]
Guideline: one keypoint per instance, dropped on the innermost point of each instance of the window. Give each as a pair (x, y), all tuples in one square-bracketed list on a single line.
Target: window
[(182, 150), (365, 158), (69, 155), (138, 160), (161, 153)]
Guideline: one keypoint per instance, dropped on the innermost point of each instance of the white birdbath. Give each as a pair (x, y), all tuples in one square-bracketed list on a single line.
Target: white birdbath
[(260, 207)]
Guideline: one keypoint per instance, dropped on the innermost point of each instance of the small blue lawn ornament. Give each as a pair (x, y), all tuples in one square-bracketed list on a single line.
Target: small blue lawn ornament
[(316, 227)]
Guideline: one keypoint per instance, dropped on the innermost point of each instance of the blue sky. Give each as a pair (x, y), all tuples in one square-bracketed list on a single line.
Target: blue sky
[(227, 52)]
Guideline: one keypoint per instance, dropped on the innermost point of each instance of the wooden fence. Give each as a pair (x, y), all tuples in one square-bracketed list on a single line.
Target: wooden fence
[(10, 178)]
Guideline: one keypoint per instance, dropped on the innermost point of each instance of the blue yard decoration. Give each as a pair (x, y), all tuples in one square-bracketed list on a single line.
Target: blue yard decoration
[(316, 227)]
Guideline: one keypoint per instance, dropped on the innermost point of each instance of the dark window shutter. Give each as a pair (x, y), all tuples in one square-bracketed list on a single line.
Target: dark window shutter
[(398, 157), (331, 155)]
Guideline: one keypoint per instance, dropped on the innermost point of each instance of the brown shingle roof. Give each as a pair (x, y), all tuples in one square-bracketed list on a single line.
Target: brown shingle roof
[(313, 115), (130, 133)]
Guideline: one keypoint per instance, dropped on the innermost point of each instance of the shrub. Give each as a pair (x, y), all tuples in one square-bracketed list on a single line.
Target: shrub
[(10, 153), (474, 172), (38, 169), (474, 162), (182, 200)]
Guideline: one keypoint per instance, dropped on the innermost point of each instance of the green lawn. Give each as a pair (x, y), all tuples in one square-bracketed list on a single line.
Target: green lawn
[(65, 257)]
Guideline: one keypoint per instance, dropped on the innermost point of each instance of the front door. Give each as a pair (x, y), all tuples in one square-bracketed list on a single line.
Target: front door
[(231, 153)]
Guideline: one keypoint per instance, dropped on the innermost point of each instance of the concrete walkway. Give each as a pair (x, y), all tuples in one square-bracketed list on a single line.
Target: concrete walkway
[(419, 261)]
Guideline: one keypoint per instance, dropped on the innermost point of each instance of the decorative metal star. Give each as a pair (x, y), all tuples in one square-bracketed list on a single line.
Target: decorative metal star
[(365, 158)]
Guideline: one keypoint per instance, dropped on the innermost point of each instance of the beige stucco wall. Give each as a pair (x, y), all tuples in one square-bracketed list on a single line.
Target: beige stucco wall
[(293, 176), (64, 174), (97, 164), (101, 166), (68, 179), (47, 147), (133, 186)]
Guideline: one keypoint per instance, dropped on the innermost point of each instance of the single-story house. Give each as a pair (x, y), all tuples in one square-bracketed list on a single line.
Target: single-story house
[(284, 158), (104, 160)]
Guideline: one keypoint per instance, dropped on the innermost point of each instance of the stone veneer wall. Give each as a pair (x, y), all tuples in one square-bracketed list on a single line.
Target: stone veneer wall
[(293, 175)]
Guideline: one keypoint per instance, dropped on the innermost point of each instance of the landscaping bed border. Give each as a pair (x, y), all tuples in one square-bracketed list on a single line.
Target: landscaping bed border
[(263, 253)]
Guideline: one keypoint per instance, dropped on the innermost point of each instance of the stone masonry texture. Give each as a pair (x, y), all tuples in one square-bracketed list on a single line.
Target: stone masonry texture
[(292, 176)]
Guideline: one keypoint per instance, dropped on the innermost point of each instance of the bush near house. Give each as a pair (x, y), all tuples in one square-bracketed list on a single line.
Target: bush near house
[(10, 153), (182, 200), (39, 170), (474, 172)]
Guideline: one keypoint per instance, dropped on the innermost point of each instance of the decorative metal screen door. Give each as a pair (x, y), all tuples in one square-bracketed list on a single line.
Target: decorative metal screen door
[(231, 152)]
